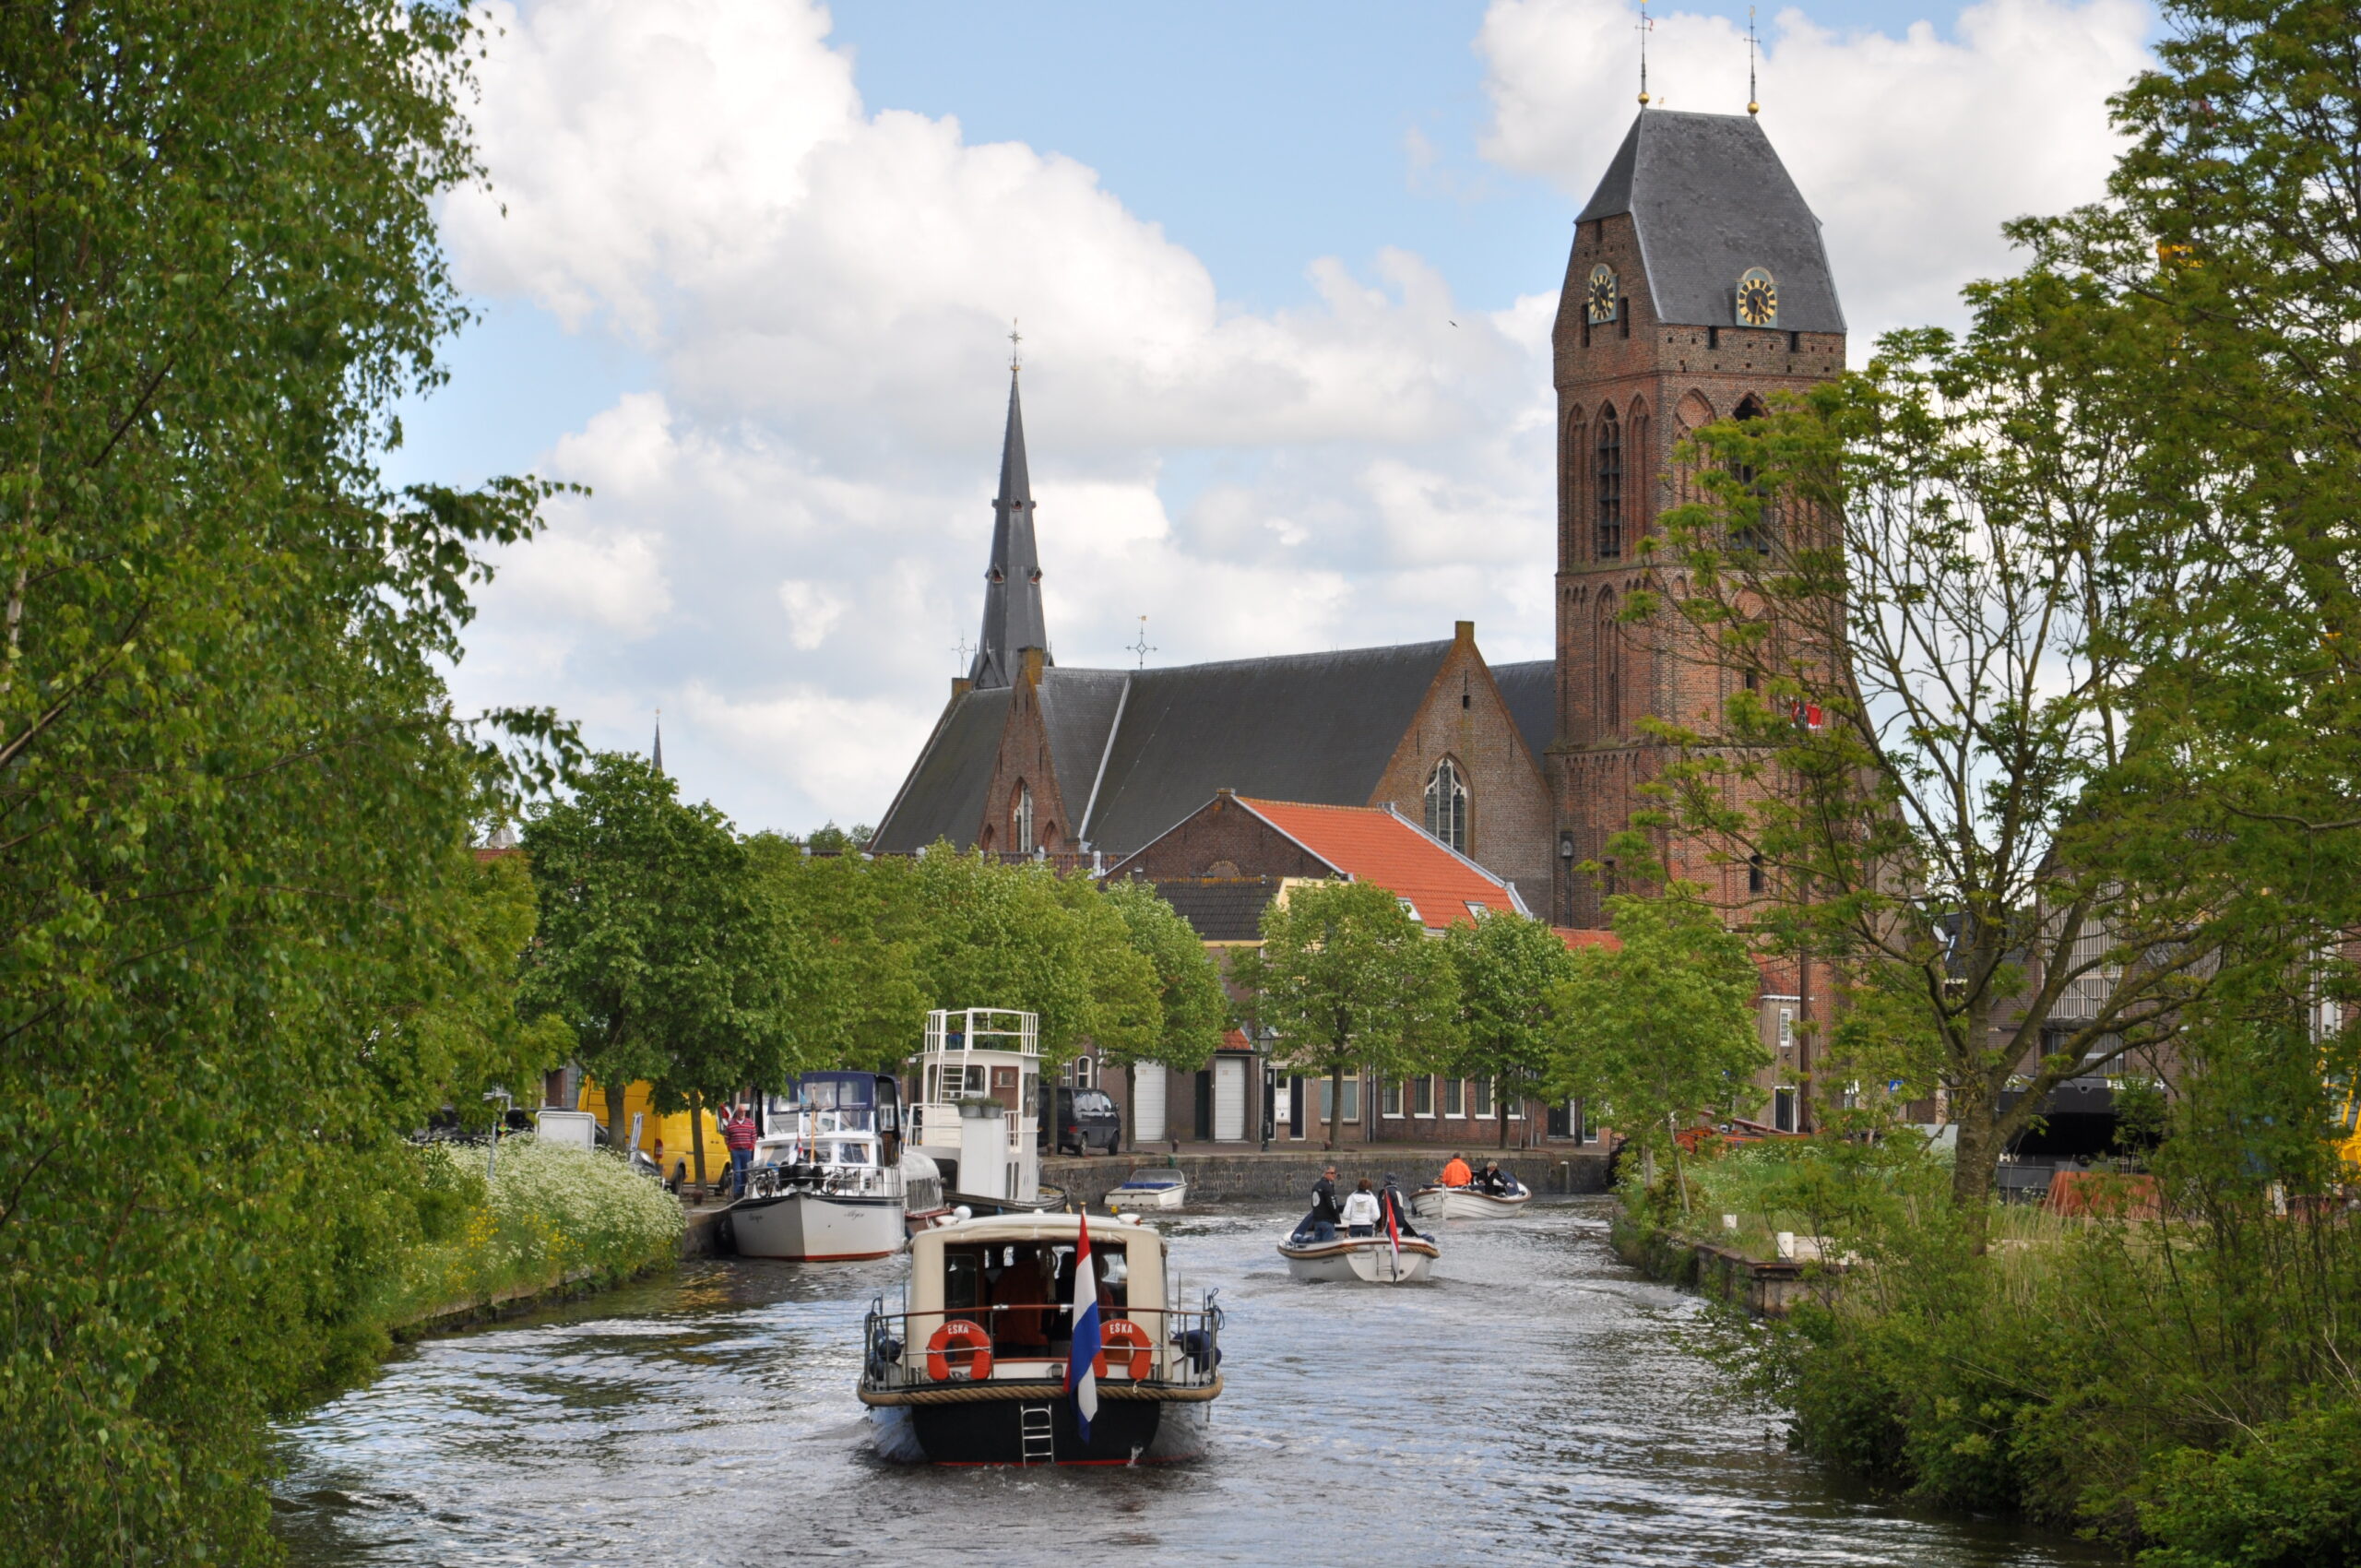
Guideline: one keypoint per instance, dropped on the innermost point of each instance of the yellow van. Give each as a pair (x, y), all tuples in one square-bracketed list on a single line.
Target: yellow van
[(673, 1130)]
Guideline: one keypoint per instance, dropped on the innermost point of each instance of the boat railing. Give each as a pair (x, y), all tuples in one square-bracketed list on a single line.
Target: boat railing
[(1026, 1341), (848, 1180)]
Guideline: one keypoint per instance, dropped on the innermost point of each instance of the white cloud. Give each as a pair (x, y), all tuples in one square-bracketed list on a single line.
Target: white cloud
[(785, 541), (1913, 150)]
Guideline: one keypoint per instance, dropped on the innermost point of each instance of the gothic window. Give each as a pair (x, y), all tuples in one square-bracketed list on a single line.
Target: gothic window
[(1020, 821), (1753, 537), (1608, 668), (1754, 882), (1447, 805), (1606, 485), (1570, 469)]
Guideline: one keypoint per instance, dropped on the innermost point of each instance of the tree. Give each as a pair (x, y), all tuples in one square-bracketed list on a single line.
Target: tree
[(660, 944), (858, 930), (1192, 1009), (1350, 982), (1659, 1031), (236, 800), (1943, 758), (1506, 965)]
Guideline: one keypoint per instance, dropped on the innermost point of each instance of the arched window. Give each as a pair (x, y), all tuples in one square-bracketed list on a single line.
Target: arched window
[(1447, 805), (1608, 668), (1570, 488), (1020, 821), (1753, 538), (1607, 484)]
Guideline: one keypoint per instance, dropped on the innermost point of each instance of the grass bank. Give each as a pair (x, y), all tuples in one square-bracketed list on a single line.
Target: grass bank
[(2182, 1386), (549, 1218)]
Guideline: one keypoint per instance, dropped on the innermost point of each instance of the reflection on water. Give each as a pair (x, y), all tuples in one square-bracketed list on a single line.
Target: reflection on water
[(1531, 1406)]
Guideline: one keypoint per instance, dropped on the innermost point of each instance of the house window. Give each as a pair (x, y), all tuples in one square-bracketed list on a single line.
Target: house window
[(1352, 1098), (1422, 1097), (1606, 485), (1391, 1098), (1754, 874), (1447, 805), (1083, 1069), (1453, 1105), (1480, 1098), (1020, 820), (1782, 1108)]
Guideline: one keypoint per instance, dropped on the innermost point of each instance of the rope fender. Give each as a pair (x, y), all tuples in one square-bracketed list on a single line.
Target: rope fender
[(982, 1393)]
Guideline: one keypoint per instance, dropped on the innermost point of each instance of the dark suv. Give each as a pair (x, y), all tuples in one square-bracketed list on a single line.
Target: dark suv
[(1083, 1120)]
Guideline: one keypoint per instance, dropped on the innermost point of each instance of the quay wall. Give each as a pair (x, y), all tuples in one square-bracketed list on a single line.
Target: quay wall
[(1289, 1174), (1765, 1289)]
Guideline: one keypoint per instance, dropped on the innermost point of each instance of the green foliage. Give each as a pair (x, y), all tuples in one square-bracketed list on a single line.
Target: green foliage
[(548, 1215), (1351, 982), (1507, 967), (1194, 1010), (238, 916), (1661, 1030), (662, 946), (2288, 1497)]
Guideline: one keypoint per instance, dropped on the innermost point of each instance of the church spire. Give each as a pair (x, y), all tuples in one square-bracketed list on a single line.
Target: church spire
[(1012, 578), (659, 758)]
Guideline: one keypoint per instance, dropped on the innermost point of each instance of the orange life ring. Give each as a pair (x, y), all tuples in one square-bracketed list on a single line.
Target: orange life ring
[(968, 1339), (1123, 1331)]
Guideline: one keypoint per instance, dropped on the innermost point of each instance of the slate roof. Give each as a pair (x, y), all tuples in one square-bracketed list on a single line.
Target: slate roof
[(1531, 692), (1079, 709), (1227, 908), (943, 796), (1374, 844), (1317, 727), (1710, 198)]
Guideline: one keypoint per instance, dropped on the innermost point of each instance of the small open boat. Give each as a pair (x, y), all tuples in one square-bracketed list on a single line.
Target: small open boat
[(1466, 1203), (1150, 1189), (1373, 1259)]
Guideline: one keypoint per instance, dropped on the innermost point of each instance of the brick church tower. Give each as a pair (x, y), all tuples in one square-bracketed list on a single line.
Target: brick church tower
[(1697, 288)]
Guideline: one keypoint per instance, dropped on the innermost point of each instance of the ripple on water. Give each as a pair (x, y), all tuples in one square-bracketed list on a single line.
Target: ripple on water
[(1534, 1404)]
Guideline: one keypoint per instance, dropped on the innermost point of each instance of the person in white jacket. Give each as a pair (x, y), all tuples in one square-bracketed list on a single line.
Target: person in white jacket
[(1361, 1211)]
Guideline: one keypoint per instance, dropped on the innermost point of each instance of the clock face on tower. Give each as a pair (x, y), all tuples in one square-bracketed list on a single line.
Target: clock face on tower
[(1601, 304), (1758, 299)]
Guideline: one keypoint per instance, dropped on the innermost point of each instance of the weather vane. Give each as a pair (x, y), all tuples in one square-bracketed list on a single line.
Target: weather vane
[(964, 653), (1142, 648), (1647, 25), (1752, 107)]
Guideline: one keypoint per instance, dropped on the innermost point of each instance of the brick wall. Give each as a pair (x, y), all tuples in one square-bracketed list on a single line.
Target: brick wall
[(1025, 758)]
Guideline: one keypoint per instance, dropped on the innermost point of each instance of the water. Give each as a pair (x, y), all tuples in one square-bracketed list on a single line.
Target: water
[(1534, 1405)]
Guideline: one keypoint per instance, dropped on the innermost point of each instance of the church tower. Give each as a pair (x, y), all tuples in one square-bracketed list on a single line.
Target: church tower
[(1013, 621), (1697, 288)]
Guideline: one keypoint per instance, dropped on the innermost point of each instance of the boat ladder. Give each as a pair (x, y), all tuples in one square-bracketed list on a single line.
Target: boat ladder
[(1035, 1434)]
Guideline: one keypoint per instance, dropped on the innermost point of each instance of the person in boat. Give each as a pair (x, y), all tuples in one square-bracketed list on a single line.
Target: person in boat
[(1361, 1211), (1456, 1174), (1495, 1181), (1389, 1202), (1321, 1224)]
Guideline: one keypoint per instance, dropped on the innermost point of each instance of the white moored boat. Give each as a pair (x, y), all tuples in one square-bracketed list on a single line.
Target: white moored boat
[(1150, 1189), (1373, 1259), (826, 1184), (1466, 1203)]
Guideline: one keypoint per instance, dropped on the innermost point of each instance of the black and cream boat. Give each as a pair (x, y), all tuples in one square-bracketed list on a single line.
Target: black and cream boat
[(972, 1370)]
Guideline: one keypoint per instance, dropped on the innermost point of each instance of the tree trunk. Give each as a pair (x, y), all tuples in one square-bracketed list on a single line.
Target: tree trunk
[(616, 1131), (1335, 1105), (697, 1135), (1977, 1155), (1501, 1104)]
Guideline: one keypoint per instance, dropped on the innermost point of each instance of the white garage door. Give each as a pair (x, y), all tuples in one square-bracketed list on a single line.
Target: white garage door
[(1147, 1103), (1230, 1101)]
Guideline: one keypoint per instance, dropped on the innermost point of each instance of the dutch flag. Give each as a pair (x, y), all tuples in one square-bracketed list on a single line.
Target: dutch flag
[(1082, 1380)]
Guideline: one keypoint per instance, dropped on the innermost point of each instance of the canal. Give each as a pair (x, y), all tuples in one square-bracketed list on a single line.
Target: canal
[(1533, 1405)]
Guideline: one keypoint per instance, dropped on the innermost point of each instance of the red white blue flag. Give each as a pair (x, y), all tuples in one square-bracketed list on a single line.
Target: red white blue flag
[(1082, 1378)]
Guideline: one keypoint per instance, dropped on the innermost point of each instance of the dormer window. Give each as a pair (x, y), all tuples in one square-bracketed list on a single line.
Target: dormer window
[(1447, 805)]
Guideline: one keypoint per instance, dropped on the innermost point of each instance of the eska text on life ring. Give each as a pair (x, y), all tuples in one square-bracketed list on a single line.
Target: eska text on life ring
[(957, 1338)]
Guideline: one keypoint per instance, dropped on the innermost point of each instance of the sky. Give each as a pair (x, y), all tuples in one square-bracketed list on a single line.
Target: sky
[(746, 270)]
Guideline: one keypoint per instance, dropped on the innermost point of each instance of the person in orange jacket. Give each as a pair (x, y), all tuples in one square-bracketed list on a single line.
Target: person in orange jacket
[(1456, 1174)]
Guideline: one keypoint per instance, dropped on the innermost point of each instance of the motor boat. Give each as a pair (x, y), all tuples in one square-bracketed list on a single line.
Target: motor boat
[(971, 1370), (1374, 1260), (1467, 1202), (826, 1184), (1145, 1190), (977, 1113)]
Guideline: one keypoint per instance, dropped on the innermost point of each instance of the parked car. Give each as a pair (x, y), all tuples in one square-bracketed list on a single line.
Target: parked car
[(1082, 1121)]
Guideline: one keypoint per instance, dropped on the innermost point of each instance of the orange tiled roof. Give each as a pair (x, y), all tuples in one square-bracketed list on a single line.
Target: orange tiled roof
[(1371, 844), (1581, 936)]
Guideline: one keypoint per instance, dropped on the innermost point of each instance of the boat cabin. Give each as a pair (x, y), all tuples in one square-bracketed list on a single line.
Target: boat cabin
[(1013, 1277), (976, 1105)]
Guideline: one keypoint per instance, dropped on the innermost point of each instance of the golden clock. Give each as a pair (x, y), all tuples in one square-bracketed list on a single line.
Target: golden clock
[(1602, 299), (1758, 299)]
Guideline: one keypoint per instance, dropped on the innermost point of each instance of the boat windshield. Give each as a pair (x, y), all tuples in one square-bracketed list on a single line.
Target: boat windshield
[(847, 1153), (827, 1091)]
